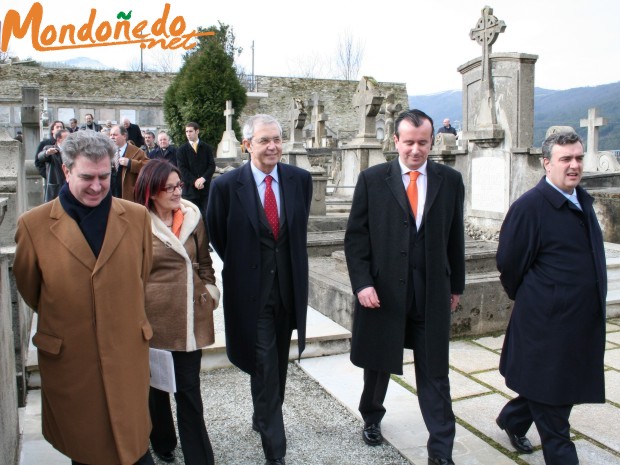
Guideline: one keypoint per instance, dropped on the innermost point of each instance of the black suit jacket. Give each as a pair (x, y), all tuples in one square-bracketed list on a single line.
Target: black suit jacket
[(429, 264), (194, 165), (234, 221)]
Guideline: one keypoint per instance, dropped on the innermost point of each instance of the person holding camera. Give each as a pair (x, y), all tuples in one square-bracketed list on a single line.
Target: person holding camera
[(49, 164)]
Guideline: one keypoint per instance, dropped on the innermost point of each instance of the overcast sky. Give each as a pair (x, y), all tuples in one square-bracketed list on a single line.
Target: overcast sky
[(419, 42)]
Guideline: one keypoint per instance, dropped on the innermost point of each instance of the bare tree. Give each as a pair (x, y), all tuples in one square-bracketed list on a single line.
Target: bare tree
[(165, 61), (349, 56), (309, 66), (5, 57)]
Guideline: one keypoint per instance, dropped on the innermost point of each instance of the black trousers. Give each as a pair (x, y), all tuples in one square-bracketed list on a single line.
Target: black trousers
[(146, 459), (268, 382), (433, 397), (193, 434), (551, 422)]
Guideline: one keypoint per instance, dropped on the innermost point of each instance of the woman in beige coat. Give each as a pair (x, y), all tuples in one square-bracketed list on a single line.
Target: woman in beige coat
[(180, 298)]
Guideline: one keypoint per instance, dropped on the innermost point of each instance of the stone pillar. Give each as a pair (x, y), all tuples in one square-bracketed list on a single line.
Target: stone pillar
[(12, 185), (9, 426)]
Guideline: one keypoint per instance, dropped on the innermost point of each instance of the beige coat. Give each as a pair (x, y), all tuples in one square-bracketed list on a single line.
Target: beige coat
[(92, 333), (181, 292)]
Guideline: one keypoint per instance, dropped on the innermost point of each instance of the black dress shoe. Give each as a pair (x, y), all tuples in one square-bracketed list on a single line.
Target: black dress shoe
[(439, 461), (165, 456), (372, 435), (280, 461), (521, 443)]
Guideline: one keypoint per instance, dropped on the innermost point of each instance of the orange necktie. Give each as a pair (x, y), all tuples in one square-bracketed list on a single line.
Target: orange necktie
[(412, 192)]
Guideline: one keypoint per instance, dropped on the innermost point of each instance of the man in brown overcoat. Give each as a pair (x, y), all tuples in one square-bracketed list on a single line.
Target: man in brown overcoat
[(81, 263)]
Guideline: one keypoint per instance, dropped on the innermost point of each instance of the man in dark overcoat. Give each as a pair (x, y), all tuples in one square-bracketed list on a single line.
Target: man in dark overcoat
[(404, 246), (258, 220), (197, 164), (552, 264)]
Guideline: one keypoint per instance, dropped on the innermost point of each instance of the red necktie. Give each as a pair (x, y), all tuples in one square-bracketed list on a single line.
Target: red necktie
[(271, 207), (412, 192)]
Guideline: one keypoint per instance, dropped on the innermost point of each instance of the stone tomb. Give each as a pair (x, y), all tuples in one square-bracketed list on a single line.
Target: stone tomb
[(484, 307)]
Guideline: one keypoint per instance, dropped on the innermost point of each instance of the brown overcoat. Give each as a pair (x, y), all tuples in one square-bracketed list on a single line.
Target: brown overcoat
[(181, 292), (92, 334), (130, 176)]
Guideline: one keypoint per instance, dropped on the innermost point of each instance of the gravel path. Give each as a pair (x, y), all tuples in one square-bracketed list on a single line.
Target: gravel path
[(319, 430)]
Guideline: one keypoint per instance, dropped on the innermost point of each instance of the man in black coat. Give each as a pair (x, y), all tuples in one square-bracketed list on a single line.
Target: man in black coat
[(405, 253), (134, 133), (258, 221), (552, 263), (49, 163), (164, 150), (197, 165), (446, 128)]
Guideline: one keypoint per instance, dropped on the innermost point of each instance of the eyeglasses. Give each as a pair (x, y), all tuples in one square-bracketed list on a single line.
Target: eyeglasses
[(268, 140), (171, 189)]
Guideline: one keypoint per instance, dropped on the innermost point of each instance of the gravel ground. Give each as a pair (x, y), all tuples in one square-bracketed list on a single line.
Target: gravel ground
[(319, 430)]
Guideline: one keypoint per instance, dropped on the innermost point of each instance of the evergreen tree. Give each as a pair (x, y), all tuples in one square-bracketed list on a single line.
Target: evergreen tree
[(199, 92)]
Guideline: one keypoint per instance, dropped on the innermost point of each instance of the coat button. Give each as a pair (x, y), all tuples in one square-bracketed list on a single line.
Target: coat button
[(277, 250), (403, 253), (402, 281), (272, 271), (405, 224)]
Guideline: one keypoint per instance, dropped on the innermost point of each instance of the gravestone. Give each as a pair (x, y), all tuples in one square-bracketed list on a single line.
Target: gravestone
[(319, 120), (296, 154), (593, 122), (229, 146), (498, 126), (365, 149)]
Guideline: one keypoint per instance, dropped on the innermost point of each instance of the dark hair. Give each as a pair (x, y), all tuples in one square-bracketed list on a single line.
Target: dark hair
[(152, 180), (150, 133), (192, 125), (559, 138), (60, 133), (416, 118), (52, 127)]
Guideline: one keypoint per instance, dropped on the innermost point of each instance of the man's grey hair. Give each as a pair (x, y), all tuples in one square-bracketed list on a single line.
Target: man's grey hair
[(559, 138), (252, 121), (91, 145), (150, 133)]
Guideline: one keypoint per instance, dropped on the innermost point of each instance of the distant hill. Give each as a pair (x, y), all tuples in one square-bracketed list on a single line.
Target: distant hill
[(79, 62), (551, 108)]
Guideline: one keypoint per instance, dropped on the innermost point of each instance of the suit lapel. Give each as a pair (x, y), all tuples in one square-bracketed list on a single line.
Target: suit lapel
[(394, 180), (288, 191), (432, 186), (246, 192), (68, 233), (116, 229)]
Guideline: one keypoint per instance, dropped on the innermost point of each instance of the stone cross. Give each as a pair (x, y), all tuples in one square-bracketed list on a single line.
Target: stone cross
[(368, 102), (593, 123), (228, 113), (487, 30)]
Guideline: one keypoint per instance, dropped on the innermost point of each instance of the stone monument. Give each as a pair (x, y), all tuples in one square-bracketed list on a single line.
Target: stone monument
[(296, 154), (365, 149), (498, 125), (229, 146), (391, 110)]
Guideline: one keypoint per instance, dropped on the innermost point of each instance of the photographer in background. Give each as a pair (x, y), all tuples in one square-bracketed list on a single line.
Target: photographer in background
[(49, 163)]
